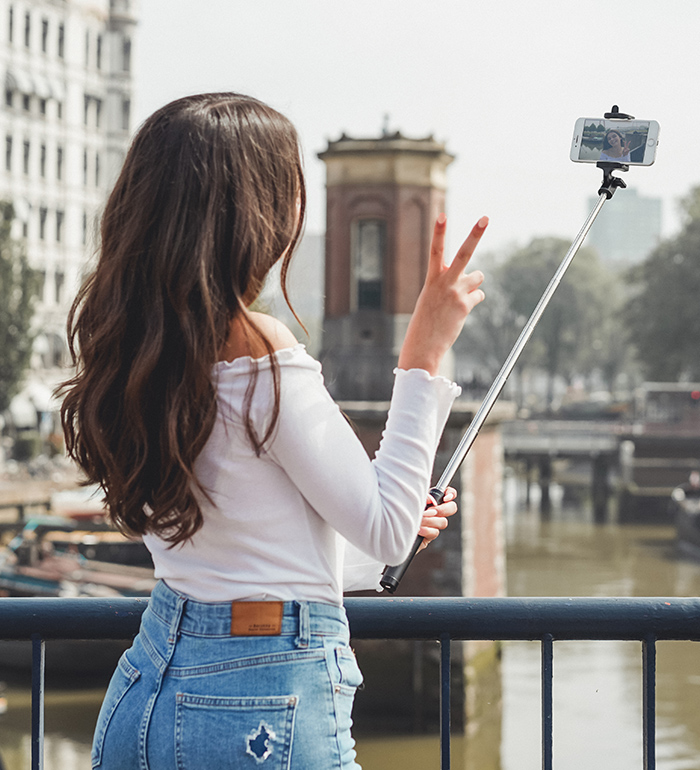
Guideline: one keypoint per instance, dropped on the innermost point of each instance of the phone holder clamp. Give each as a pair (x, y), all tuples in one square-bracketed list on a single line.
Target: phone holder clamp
[(615, 114), (610, 182)]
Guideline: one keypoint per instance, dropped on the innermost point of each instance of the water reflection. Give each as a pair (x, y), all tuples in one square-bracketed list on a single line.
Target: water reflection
[(597, 685), (70, 716)]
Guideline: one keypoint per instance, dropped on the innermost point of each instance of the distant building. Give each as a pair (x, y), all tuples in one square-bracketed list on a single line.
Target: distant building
[(305, 289), (65, 123), (627, 228), (383, 195)]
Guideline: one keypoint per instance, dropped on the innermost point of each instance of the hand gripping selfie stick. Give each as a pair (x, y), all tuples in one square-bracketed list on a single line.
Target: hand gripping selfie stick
[(392, 575)]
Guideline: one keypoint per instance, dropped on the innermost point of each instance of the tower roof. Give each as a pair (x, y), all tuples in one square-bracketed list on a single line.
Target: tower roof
[(387, 143)]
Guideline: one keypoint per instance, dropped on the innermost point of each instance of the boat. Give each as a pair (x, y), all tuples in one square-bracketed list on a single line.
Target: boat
[(54, 556), (658, 450), (685, 508)]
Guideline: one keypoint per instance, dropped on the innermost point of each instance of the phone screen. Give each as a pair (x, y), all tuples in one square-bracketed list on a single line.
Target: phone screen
[(620, 141)]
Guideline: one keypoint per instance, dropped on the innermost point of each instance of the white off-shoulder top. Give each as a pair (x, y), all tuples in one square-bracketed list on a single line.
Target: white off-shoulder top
[(288, 524)]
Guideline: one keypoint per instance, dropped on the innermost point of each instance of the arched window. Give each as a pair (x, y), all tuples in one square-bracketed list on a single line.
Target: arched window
[(368, 245)]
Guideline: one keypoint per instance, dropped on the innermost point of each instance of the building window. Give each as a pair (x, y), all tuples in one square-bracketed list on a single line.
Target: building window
[(59, 228), (11, 24), (59, 110), (27, 29), (26, 102), (44, 35), (43, 214), (368, 249), (85, 226), (61, 41), (126, 54), (58, 348), (98, 52), (42, 161), (85, 167), (42, 106), (8, 153), (59, 163), (8, 97), (86, 109), (25, 157), (59, 279), (97, 169), (98, 112), (126, 114)]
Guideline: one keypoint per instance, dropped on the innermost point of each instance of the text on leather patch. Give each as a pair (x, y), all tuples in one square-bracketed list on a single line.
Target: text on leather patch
[(256, 618)]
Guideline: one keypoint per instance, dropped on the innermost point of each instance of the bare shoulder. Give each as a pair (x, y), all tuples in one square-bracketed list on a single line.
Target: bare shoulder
[(241, 342), (277, 333)]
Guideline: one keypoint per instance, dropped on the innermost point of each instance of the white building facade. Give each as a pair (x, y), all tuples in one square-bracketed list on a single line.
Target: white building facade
[(65, 124)]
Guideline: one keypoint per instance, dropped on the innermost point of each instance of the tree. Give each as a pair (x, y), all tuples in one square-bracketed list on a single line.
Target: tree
[(567, 339), (663, 313), (19, 285), (491, 331)]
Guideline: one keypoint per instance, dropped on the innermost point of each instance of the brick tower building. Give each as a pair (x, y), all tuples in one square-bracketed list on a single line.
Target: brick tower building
[(382, 198)]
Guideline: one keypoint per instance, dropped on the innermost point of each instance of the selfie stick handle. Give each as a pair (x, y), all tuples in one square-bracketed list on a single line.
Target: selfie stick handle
[(392, 575)]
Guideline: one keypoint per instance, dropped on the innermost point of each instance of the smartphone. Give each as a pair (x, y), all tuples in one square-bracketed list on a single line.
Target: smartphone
[(621, 141)]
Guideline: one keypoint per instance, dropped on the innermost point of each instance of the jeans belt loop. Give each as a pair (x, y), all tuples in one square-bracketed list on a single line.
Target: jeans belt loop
[(304, 636)]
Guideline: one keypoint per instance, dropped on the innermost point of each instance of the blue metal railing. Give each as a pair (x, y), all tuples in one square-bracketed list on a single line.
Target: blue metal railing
[(646, 620)]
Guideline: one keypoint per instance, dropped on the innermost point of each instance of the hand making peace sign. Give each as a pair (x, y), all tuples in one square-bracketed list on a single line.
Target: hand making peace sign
[(448, 296)]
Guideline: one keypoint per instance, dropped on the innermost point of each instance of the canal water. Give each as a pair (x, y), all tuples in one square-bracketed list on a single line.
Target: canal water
[(597, 685)]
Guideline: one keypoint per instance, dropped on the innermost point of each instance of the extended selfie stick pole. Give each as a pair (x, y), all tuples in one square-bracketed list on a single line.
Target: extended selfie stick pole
[(392, 575)]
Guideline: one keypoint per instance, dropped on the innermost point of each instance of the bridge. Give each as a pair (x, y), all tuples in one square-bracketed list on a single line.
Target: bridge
[(537, 442), (562, 438), (653, 458)]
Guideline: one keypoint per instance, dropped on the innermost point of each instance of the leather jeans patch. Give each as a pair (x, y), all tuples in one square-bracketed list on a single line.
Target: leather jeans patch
[(256, 618)]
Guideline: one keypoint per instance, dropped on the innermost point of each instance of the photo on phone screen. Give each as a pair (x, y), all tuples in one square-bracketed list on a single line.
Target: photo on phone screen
[(628, 141)]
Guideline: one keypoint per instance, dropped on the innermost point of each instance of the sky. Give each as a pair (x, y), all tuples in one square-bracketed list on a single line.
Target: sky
[(501, 82)]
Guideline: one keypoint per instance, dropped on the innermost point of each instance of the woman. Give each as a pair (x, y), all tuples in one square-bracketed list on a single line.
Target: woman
[(615, 147), (213, 437)]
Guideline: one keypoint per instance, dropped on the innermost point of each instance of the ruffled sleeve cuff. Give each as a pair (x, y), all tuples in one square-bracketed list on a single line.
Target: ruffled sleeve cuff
[(416, 390)]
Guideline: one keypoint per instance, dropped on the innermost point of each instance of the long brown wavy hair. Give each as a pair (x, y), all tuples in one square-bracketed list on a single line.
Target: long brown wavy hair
[(206, 203)]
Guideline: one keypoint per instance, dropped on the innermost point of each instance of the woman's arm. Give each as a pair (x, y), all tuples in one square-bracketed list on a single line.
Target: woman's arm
[(360, 573)]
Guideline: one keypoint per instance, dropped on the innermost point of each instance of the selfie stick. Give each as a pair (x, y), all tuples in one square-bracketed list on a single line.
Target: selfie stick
[(392, 575)]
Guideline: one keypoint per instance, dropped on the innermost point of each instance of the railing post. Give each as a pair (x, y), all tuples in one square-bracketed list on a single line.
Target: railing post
[(445, 716), (649, 701), (547, 701), (38, 676)]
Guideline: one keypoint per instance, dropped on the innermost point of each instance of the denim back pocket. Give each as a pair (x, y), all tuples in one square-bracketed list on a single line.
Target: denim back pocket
[(122, 680), (227, 733)]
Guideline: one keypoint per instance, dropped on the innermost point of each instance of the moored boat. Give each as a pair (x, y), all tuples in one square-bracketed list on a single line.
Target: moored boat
[(685, 506)]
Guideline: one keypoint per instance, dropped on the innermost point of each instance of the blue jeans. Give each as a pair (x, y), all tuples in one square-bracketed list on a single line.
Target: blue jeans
[(189, 696)]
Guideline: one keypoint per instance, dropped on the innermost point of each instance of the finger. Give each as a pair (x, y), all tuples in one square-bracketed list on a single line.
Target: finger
[(467, 248), (436, 263), (446, 509), (450, 494), (473, 280), (436, 522), (473, 299), (429, 533)]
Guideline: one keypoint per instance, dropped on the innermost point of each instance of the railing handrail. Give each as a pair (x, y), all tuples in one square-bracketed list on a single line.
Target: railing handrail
[(509, 618), (547, 619)]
